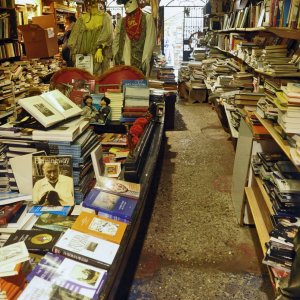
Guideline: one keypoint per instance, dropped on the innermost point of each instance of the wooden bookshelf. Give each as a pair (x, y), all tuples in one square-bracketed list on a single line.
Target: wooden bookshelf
[(278, 139), (261, 228), (265, 195)]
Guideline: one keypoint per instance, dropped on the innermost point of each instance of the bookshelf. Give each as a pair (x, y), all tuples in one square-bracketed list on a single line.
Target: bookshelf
[(10, 49)]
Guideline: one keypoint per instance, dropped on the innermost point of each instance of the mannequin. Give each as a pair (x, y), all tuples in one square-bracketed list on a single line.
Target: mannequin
[(92, 34), (135, 37)]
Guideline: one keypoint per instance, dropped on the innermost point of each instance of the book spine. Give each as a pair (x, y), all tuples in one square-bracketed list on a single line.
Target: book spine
[(81, 258)]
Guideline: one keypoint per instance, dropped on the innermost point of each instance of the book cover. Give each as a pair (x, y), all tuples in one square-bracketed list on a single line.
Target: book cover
[(50, 108), (119, 187), (97, 160), (54, 222), (102, 227), (117, 205), (15, 253), (56, 210), (86, 248), (85, 280), (114, 139), (8, 211), (37, 241), (53, 182)]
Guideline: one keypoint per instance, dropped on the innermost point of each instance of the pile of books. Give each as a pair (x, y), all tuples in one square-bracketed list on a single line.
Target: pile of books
[(116, 103), (280, 248), (288, 103)]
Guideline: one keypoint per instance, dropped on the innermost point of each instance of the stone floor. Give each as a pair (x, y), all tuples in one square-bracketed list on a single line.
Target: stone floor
[(194, 249)]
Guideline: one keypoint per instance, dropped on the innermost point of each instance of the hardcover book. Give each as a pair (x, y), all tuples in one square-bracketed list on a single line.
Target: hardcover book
[(119, 187), (69, 276), (50, 108), (37, 241), (53, 182), (119, 206), (86, 248), (102, 227)]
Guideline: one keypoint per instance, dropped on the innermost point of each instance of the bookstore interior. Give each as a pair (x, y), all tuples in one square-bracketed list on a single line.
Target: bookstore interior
[(88, 89)]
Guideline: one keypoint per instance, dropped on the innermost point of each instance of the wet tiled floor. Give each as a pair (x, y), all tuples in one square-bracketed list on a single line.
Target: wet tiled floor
[(194, 249)]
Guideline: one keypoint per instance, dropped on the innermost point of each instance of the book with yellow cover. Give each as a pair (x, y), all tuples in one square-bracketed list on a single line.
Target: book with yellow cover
[(101, 227)]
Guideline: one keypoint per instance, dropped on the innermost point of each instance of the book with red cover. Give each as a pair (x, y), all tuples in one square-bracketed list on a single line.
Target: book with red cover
[(8, 211)]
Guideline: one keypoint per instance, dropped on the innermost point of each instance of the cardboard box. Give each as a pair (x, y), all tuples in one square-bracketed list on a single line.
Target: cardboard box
[(40, 38)]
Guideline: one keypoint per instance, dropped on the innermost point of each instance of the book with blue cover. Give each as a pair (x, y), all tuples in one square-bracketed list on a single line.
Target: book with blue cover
[(119, 206)]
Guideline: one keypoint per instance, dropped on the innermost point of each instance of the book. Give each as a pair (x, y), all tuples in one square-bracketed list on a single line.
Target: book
[(54, 222), (84, 280), (114, 139), (8, 211), (53, 182), (119, 206), (37, 241), (86, 248), (112, 169), (102, 227), (22, 166), (97, 160), (12, 197), (119, 187), (50, 108), (293, 87), (56, 210), (14, 253)]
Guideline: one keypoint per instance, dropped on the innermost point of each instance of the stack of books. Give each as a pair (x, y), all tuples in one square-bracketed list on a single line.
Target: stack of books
[(248, 98), (280, 249), (288, 103), (116, 103)]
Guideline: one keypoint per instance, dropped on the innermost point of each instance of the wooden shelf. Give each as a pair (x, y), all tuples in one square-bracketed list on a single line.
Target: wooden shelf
[(275, 135), (261, 228), (283, 32), (290, 75), (265, 195)]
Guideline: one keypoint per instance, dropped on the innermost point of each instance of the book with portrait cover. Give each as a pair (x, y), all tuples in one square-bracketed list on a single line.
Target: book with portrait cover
[(98, 226), (52, 178), (118, 206), (59, 277), (119, 187), (50, 108), (36, 241), (86, 248)]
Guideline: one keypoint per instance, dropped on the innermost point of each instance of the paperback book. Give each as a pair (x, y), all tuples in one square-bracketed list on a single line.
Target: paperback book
[(68, 277), (86, 248), (36, 241), (102, 227), (118, 206)]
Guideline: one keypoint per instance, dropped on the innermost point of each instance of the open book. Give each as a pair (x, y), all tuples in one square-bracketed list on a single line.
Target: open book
[(50, 108)]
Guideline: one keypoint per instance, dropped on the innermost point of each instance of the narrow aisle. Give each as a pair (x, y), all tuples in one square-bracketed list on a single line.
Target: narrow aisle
[(194, 249)]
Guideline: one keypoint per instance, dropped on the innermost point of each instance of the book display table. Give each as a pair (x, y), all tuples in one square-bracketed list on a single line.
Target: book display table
[(146, 156)]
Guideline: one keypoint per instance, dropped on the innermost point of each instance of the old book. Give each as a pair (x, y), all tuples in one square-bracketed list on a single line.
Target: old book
[(50, 108), (74, 278), (119, 206), (102, 227), (37, 241), (86, 248)]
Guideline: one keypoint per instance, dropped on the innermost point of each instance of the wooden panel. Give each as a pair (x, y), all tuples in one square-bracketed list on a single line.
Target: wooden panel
[(262, 231)]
